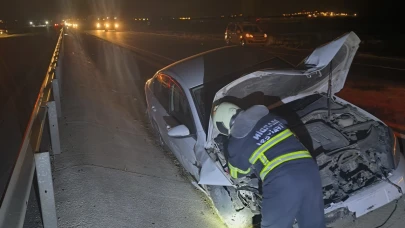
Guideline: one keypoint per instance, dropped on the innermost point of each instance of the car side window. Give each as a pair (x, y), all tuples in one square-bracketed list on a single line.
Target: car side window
[(180, 108), (161, 90)]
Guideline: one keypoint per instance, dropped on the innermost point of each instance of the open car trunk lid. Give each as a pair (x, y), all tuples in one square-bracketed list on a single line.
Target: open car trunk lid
[(311, 76)]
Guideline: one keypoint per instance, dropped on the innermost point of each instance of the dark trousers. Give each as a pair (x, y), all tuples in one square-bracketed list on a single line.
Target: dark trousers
[(293, 191)]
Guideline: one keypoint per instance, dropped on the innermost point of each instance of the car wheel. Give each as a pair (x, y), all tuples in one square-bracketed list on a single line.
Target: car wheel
[(230, 215), (156, 132), (243, 42)]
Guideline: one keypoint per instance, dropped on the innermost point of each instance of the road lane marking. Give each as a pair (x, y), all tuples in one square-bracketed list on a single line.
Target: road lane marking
[(360, 64), (379, 66), (135, 48)]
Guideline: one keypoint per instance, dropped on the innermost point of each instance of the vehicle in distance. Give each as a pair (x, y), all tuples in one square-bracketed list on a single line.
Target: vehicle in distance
[(355, 151), (108, 24), (244, 33)]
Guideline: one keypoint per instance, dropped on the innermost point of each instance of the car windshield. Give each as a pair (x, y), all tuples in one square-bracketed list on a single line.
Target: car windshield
[(251, 28)]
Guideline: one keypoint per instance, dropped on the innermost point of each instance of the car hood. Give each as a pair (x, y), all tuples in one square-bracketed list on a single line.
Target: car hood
[(311, 76)]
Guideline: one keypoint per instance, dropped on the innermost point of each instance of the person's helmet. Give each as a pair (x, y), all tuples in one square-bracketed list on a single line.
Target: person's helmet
[(223, 116)]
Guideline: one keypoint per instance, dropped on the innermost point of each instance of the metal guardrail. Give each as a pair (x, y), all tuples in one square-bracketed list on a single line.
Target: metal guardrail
[(30, 159)]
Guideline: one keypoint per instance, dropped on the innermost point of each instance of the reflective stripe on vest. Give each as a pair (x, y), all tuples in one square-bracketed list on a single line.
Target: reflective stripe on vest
[(281, 159), (259, 152), (234, 171)]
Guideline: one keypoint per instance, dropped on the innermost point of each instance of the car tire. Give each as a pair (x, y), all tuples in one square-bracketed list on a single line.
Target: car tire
[(156, 132), (220, 196)]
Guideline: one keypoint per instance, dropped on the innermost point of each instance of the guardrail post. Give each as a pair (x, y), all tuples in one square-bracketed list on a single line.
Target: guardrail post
[(56, 96), (46, 192), (53, 127), (58, 74)]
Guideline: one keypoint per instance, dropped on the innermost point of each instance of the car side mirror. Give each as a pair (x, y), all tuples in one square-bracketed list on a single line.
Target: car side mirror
[(179, 131)]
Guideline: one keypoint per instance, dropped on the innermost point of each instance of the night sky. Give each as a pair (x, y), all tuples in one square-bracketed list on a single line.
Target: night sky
[(39, 9)]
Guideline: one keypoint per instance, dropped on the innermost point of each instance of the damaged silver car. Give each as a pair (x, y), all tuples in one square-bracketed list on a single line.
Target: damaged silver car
[(359, 158)]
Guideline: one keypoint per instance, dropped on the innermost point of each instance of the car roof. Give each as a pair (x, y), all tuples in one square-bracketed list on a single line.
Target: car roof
[(215, 64)]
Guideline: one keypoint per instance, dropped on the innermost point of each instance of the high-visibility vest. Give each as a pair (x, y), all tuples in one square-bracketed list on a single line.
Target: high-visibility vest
[(259, 156)]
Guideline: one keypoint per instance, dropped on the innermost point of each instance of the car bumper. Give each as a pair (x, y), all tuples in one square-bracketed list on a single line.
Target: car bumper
[(252, 41), (375, 196)]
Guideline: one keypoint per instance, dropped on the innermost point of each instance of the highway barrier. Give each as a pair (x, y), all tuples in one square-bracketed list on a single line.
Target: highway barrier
[(34, 157)]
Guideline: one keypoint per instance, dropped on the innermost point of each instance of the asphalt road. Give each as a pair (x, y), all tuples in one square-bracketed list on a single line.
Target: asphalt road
[(111, 173), (375, 84)]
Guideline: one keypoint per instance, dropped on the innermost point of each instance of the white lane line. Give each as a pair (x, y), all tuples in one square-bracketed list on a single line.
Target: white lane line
[(134, 48), (360, 64), (379, 66)]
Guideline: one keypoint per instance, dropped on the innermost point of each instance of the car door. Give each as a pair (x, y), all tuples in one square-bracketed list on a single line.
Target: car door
[(231, 31), (159, 104), (180, 114), (236, 36)]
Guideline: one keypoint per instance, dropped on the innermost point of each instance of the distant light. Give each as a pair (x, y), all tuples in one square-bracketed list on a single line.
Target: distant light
[(117, 25), (355, 14), (115, 18), (98, 25), (31, 23), (143, 19), (309, 15), (98, 19), (136, 19), (46, 22)]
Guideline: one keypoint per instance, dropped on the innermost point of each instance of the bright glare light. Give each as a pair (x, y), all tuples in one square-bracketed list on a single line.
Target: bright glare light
[(98, 25), (107, 25), (117, 25), (115, 18), (31, 23), (46, 22), (265, 35)]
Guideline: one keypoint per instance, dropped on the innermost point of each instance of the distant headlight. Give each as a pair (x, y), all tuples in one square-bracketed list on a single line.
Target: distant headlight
[(117, 25), (265, 35), (248, 35)]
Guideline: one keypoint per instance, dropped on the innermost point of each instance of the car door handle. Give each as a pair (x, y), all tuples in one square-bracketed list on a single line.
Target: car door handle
[(153, 108)]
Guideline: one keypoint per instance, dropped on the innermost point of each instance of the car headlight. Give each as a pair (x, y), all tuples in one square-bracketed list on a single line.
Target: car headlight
[(265, 35), (249, 35)]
